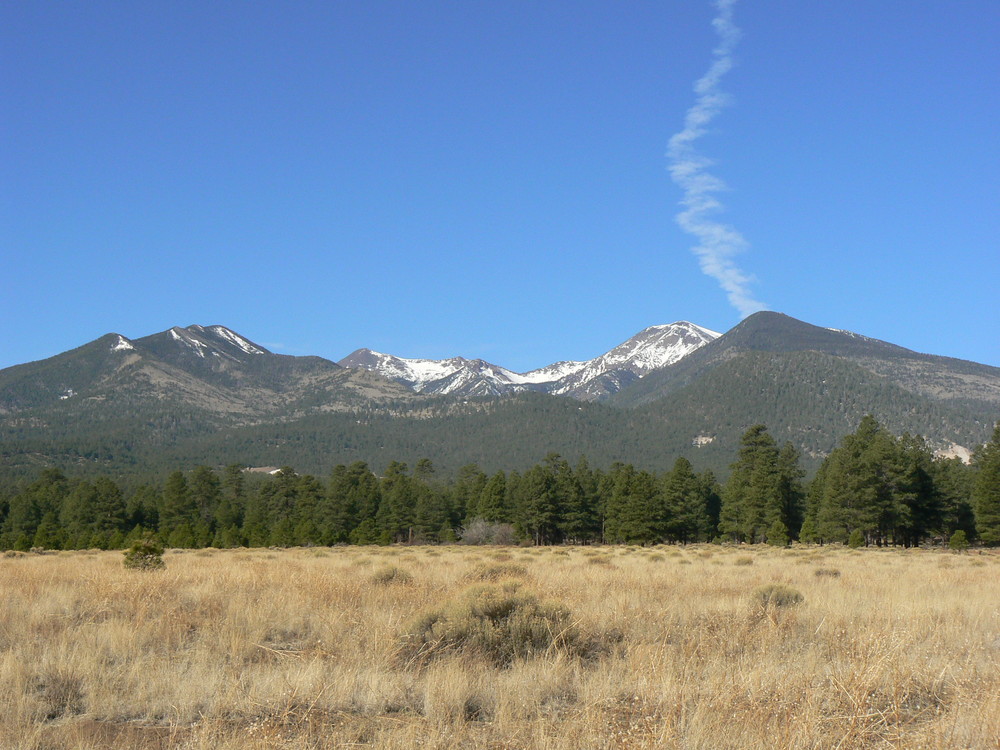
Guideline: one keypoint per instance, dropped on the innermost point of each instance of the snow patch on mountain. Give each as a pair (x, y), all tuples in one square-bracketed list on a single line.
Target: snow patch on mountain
[(235, 339), (122, 345), (184, 337), (650, 349)]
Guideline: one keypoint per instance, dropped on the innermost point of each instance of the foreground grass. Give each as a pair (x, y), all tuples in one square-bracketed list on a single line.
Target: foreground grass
[(308, 649)]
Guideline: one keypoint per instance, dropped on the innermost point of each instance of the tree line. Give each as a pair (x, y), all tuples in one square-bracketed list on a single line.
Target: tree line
[(875, 486)]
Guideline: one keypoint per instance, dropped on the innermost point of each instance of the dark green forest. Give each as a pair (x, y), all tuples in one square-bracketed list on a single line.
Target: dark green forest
[(874, 488)]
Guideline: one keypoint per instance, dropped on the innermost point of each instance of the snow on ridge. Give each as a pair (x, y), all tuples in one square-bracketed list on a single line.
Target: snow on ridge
[(122, 345), (235, 339), (652, 348), (852, 334), (550, 373), (186, 338)]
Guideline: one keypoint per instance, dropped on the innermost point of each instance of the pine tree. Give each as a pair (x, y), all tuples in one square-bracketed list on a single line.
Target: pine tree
[(986, 490), (492, 502), (108, 513), (467, 493), (911, 474), (580, 515), (538, 513), (685, 503), (789, 508), (857, 494), (751, 496), (953, 481), (395, 513), (178, 507), (635, 508), (205, 491)]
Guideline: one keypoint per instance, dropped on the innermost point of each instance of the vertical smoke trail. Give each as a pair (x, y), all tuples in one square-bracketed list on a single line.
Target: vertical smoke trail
[(717, 243)]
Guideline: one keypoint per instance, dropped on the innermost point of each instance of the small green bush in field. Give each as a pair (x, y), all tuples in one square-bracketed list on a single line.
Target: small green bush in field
[(959, 541), (499, 623), (776, 595), (391, 574), (145, 554), (856, 539)]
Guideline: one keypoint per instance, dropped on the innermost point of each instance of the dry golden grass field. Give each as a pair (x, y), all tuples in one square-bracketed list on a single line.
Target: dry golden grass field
[(464, 647)]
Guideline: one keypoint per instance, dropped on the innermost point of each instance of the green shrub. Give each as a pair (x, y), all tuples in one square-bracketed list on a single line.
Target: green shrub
[(498, 571), (856, 539), (144, 554), (776, 595), (391, 574), (959, 541), (499, 623)]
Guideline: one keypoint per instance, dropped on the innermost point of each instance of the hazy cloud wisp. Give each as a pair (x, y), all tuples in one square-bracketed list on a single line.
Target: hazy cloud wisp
[(718, 244)]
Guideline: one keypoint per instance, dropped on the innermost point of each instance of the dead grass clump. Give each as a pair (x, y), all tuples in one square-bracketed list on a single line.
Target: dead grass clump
[(391, 574), (499, 623), (827, 573), (59, 694), (743, 560), (498, 571), (776, 595)]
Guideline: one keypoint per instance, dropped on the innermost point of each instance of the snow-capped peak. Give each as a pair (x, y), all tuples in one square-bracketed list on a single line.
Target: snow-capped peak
[(122, 345), (654, 347)]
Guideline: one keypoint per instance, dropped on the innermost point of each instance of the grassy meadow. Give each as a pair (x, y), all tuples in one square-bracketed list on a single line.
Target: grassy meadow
[(469, 647)]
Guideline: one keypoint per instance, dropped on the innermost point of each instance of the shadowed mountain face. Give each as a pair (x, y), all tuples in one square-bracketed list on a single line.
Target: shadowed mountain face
[(196, 395), (938, 378)]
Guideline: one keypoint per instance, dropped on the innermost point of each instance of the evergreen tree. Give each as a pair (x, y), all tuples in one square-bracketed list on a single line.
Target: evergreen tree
[(27, 508), (108, 513), (986, 490), (353, 496), (581, 521), (142, 508), (467, 493), (538, 512), (751, 496), (178, 507), (635, 508), (953, 482), (205, 491), (77, 514), (395, 513), (712, 492), (789, 509), (914, 490), (857, 493), (685, 504), (492, 502)]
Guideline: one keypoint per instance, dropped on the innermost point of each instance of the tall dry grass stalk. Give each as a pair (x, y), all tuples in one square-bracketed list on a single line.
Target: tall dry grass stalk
[(302, 649)]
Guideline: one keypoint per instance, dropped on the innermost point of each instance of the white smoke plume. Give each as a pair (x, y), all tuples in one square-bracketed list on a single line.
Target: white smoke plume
[(718, 244)]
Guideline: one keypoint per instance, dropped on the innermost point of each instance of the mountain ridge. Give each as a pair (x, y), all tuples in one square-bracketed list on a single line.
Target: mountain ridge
[(653, 347), (208, 394)]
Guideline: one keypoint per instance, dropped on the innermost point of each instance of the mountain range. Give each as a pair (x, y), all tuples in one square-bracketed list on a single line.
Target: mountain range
[(590, 380), (206, 394)]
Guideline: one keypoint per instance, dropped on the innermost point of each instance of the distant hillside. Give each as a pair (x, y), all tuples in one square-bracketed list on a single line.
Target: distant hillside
[(196, 395)]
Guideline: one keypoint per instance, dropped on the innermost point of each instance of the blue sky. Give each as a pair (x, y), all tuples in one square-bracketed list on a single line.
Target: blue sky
[(492, 179)]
